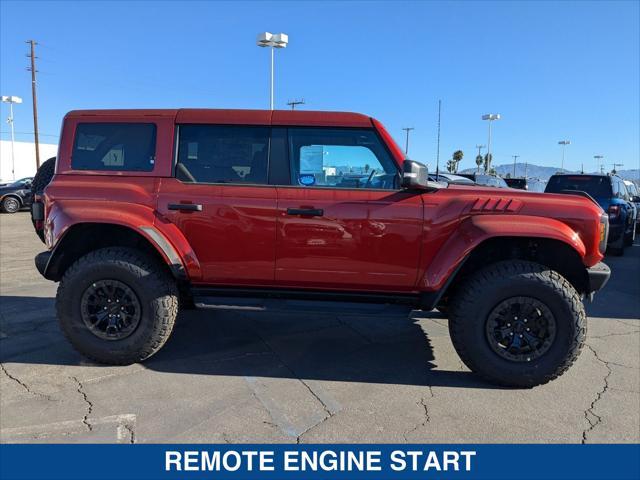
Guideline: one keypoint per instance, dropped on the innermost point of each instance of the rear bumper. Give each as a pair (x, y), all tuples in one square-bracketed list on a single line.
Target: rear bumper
[(598, 276)]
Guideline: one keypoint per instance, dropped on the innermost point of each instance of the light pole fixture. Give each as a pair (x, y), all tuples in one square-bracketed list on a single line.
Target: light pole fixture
[(598, 158), (277, 40), (564, 144), (490, 117), (406, 145), (11, 99)]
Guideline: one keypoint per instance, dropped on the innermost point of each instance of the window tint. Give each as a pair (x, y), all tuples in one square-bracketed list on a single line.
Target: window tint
[(340, 158), (222, 154), (114, 146), (596, 186)]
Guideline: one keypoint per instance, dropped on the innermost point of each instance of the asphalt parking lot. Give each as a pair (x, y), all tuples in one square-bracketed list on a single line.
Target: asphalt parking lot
[(262, 376)]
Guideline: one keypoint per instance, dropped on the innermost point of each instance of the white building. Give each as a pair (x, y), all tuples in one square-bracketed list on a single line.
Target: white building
[(25, 159)]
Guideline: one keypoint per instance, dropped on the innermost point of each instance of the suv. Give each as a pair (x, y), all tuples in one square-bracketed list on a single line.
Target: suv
[(531, 184), (634, 193), (150, 211), (611, 194), (486, 179), (15, 195)]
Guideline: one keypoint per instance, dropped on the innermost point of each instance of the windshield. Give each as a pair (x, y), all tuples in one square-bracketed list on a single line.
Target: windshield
[(597, 186), (632, 188)]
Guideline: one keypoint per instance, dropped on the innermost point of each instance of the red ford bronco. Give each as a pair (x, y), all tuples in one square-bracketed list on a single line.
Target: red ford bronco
[(147, 211)]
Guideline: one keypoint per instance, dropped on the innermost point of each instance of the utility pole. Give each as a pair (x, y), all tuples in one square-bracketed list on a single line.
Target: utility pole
[(32, 69), (515, 157), (525, 169), (406, 145), (293, 103)]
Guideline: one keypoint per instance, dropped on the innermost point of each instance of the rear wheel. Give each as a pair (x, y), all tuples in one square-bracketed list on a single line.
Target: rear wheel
[(117, 306), (517, 323), (10, 204)]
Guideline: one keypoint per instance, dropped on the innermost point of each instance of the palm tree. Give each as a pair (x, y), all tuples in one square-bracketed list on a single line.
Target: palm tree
[(487, 162), (479, 161), (457, 158)]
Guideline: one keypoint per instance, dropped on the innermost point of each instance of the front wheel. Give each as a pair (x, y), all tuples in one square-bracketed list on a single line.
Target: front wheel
[(117, 306), (517, 323), (10, 205)]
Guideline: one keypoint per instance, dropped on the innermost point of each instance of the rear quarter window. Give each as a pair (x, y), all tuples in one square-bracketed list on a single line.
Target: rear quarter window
[(114, 147)]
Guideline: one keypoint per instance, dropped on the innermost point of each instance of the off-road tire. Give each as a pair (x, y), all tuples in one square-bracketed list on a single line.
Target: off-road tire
[(10, 204), (485, 289), (41, 179), (155, 288), (43, 176)]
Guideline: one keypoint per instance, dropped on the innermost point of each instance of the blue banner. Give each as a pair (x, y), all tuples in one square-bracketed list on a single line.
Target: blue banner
[(264, 461)]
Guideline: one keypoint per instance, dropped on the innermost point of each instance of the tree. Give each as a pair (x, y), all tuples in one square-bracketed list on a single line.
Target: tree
[(457, 158), (451, 166), (479, 161), (487, 162)]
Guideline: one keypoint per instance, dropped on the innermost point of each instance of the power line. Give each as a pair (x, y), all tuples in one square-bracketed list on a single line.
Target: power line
[(31, 133), (32, 69)]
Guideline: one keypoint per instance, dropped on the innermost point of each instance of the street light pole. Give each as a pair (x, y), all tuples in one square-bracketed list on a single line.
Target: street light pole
[(598, 158), (515, 157), (11, 100), (490, 117), (564, 143), (278, 40), (406, 145)]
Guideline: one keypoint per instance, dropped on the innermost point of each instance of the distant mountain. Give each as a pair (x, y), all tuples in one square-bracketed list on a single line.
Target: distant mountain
[(543, 173)]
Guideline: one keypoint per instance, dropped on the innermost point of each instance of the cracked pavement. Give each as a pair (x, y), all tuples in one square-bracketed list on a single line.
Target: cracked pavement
[(230, 376)]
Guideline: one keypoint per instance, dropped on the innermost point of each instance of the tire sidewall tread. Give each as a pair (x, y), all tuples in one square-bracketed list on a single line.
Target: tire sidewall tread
[(479, 294), (156, 291)]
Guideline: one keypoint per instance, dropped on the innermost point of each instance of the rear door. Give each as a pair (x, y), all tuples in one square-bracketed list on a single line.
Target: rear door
[(220, 199), (343, 224)]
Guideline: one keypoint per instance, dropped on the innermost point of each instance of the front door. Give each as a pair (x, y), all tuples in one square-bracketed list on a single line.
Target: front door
[(343, 224), (220, 199)]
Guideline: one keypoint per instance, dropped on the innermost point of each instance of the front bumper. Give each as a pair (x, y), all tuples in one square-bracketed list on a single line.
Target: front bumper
[(598, 276)]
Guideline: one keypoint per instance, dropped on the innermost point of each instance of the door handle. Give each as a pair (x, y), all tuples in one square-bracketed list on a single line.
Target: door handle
[(186, 207), (306, 212)]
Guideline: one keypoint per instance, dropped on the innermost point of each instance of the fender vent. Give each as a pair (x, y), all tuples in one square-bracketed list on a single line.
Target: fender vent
[(496, 205)]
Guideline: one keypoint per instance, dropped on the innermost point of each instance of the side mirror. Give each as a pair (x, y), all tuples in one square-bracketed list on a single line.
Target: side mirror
[(415, 175)]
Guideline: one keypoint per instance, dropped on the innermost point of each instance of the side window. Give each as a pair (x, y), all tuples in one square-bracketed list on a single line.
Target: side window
[(114, 147), (222, 154), (340, 158)]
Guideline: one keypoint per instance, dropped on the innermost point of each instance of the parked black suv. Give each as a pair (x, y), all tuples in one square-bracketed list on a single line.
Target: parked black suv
[(611, 194), (16, 195), (529, 184)]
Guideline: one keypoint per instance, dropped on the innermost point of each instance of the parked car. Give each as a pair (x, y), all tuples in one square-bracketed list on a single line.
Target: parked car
[(611, 194), (486, 180), (450, 178), (16, 195), (530, 184), (149, 211), (634, 192)]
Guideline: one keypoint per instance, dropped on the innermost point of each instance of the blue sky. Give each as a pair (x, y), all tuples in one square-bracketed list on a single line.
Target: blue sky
[(552, 70)]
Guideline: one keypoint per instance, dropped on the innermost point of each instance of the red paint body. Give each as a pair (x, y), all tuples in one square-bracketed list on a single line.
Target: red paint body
[(367, 240)]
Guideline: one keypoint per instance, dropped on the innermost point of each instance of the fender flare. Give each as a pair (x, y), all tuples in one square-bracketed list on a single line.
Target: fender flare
[(140, 219), (477, 229)]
